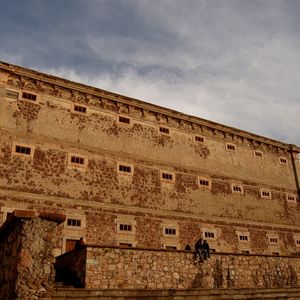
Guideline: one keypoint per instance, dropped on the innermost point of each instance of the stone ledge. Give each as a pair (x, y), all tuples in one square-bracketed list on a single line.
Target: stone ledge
[(19, 214)]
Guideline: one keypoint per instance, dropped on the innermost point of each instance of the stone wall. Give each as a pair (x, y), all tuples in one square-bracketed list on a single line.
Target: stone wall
[(162, 269), (26, 258)]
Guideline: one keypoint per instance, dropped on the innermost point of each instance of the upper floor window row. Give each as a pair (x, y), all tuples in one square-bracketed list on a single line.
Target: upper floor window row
[(24, 95)]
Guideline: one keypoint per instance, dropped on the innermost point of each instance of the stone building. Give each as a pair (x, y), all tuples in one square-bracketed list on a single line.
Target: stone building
[(129, 173)]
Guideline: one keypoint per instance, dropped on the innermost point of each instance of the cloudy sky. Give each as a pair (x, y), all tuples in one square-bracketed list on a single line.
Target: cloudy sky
[(235, 62)]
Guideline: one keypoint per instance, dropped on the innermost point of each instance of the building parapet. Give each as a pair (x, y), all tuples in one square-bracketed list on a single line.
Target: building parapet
[(101, 99)]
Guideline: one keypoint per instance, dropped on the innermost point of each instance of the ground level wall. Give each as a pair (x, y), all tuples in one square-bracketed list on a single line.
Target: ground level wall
[(161, 269)]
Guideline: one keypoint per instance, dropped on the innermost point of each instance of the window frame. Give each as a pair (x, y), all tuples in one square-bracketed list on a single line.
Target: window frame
[(238, 185), (283, 161), (21, 97), (75, 165), (165, 180), (119, 117), (164, 130), (199, 137), (126, 165), (264, 190), (202, 178), (257, 156), (23, 155), (79, 105), (229, 145)]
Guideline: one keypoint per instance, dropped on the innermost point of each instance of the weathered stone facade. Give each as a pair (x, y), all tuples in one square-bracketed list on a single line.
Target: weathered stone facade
[(163, 269), (27, 261), (128, 172)]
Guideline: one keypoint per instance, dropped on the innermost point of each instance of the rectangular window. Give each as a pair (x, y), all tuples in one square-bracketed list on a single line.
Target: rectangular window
[(258, 154), (199, 138), (164, 130), (166, 176), (283, 160), (79, 108), (275, 253), (77, 160), (22, 150), (245, 251), (297, 243), (237, 188), (125, 227), (265, 194), (243, 237), (170, 231), (291, 198), (209, 234), (74, 222), (123, 168), (273, 240), (204, 182), (28, 96), (124, 120), (230, 147), (11, 94)]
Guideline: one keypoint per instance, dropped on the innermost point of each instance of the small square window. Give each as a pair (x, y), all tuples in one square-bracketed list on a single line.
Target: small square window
[(283, 160), (124, 168), (11, 94), (291, 198), (258, 154), (237, 188), (167, 176), (80, 108), (199, 138), (265, 194), (164, 130), (230, 147), (124, 120), (29, 96)]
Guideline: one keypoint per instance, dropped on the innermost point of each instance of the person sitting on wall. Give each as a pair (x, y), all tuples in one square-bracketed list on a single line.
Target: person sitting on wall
[(199, 250), (205, 249), (79, 244)]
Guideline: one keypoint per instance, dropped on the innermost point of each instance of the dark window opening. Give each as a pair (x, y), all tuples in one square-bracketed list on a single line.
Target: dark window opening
[(125, 227), (79, 108), (29, 96), (123, 168), (74, 222), (124, 120), (23, 150), (77, 160), (167, 176), (171, 231), (164, 130)]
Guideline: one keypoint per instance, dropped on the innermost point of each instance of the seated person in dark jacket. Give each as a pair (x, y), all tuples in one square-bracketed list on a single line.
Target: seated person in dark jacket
[(199, 249), (205, 249)]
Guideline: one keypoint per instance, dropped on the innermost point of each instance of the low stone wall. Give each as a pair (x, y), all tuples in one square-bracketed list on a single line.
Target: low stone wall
[(111, 267), (26, 258)]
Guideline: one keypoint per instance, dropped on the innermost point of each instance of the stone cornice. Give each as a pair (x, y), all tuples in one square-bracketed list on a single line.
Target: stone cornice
[(95, 97)]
